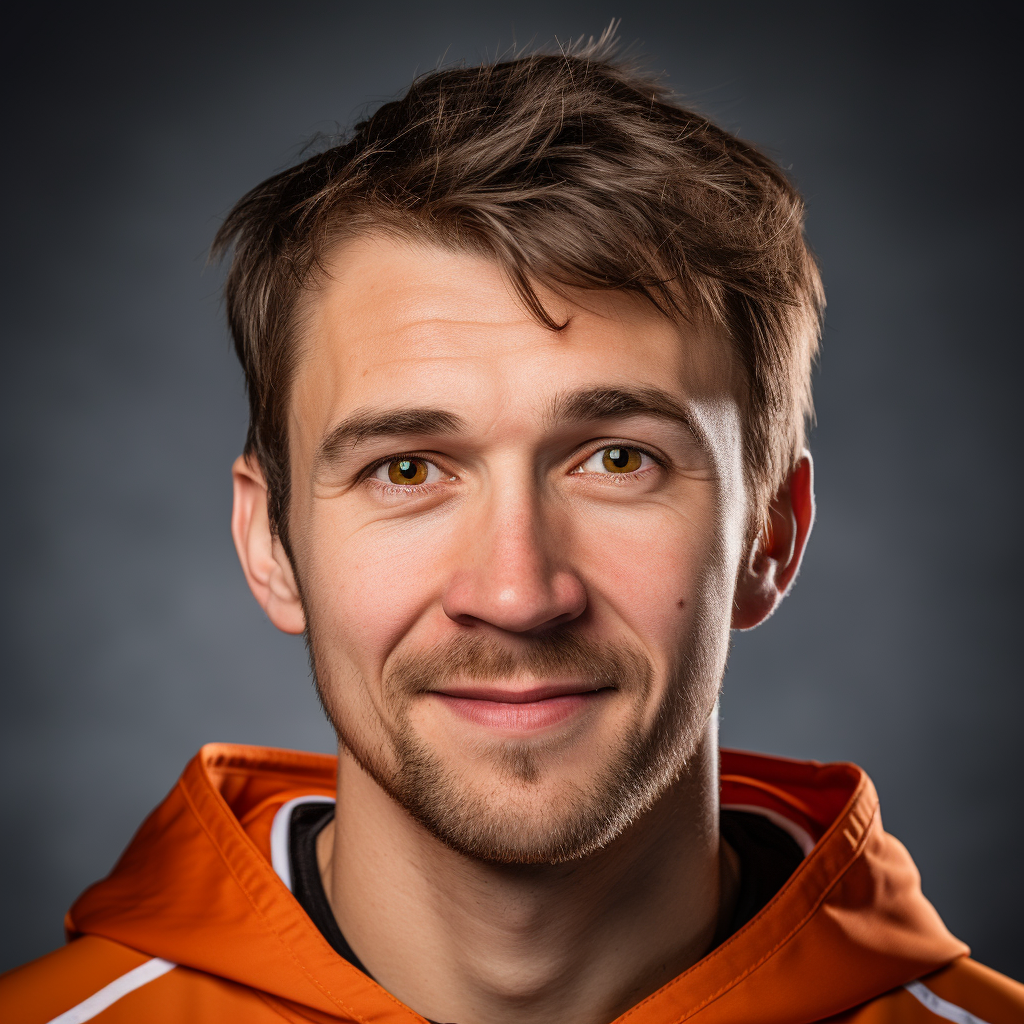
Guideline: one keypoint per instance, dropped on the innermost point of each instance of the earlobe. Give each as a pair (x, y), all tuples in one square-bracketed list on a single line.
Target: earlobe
[(774, 558), (266, 565)]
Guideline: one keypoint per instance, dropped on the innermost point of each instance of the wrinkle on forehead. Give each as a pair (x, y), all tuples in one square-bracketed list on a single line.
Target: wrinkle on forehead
[(440, 283), (388, 302)]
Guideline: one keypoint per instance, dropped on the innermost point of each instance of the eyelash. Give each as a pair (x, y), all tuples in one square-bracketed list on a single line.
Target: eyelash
[(392, 488), (620, 478)]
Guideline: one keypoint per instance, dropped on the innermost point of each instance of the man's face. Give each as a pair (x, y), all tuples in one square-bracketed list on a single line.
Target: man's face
[(516, 547)]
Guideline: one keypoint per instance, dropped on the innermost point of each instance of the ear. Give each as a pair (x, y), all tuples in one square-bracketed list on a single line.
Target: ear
[(774, 557), (266, 565)]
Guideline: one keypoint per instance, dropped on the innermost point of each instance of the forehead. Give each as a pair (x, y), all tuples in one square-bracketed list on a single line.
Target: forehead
[(396, 322)]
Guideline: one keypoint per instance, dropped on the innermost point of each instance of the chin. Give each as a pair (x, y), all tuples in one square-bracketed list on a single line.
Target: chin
[(520, 803)]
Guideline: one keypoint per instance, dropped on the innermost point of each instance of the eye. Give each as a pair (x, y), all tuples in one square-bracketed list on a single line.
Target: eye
[(407, 470), (617, 460), (621, 460)]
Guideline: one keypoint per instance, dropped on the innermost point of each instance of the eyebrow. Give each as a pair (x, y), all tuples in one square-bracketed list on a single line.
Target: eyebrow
[(601, 403), (367, 426), (582, 405)]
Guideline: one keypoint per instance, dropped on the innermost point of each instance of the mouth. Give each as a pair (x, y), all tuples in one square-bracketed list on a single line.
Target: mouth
[(510, 709)]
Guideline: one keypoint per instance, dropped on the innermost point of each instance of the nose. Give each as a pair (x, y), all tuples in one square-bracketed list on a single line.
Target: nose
[(512, 570)]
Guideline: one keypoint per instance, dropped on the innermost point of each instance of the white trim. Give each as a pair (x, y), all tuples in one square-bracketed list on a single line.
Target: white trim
[(947, 1011), (801, 836), (117, 989), (279, 832)]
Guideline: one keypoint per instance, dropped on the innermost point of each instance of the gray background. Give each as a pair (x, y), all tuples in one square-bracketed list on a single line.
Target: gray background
[(129, 636)]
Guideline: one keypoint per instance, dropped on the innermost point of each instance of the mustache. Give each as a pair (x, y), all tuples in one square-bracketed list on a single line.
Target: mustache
[(603, 664)]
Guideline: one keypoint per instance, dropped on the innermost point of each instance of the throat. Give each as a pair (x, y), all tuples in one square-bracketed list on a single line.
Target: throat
[(459, 939)]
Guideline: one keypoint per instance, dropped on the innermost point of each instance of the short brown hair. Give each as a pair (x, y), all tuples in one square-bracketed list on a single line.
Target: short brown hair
[(570, 169)]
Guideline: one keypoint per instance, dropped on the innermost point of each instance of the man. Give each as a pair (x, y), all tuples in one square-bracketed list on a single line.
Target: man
[(528, 362)]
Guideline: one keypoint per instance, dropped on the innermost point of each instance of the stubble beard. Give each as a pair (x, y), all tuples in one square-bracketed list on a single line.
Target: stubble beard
[(508, 823)]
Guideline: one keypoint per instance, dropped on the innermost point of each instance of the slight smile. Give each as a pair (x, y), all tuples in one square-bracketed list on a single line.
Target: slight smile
[(521, 710)]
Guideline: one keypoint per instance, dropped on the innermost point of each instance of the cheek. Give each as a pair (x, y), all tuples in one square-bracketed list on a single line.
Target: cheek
[(662, 573), (370, 585)]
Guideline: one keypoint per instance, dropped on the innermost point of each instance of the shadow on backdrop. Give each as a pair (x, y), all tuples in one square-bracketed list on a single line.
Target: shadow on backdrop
[(129, 635)]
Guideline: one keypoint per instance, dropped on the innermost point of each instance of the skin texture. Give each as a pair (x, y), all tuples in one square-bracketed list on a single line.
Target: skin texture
[(491, 864)]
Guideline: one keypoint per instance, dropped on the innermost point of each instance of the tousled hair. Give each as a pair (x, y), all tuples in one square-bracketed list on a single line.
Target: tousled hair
[(569, 170)]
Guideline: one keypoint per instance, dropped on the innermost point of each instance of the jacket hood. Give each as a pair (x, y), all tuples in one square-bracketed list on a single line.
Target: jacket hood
[(197, 886)]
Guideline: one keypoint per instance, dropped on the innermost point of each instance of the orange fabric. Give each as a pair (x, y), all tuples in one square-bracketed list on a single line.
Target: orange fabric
[(196, 887), (982, 992), (986, 993), (33, 993)]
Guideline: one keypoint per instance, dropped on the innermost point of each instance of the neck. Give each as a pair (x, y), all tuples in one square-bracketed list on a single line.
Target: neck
[(458, 939)]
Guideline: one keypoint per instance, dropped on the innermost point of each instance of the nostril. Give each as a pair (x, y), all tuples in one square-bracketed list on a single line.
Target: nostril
[(516, 608)]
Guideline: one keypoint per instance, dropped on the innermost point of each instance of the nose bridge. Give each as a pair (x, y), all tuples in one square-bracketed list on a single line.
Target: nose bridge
[(513, 571), (518, 537)]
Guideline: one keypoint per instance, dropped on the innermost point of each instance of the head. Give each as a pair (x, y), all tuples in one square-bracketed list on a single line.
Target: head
[(528, 362)]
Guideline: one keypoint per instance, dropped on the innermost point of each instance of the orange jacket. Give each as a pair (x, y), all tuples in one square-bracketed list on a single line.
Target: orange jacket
[(195, 925)]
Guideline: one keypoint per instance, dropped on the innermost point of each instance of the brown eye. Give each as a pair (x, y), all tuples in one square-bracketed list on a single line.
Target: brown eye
[(407, 471), (621, 460)]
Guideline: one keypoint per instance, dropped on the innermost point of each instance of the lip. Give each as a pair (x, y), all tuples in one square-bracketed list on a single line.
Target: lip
[(520, 710), (523, 695)]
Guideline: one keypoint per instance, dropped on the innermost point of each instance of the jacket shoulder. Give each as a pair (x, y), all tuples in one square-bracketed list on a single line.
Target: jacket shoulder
[(964, 991), (94, 979)]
